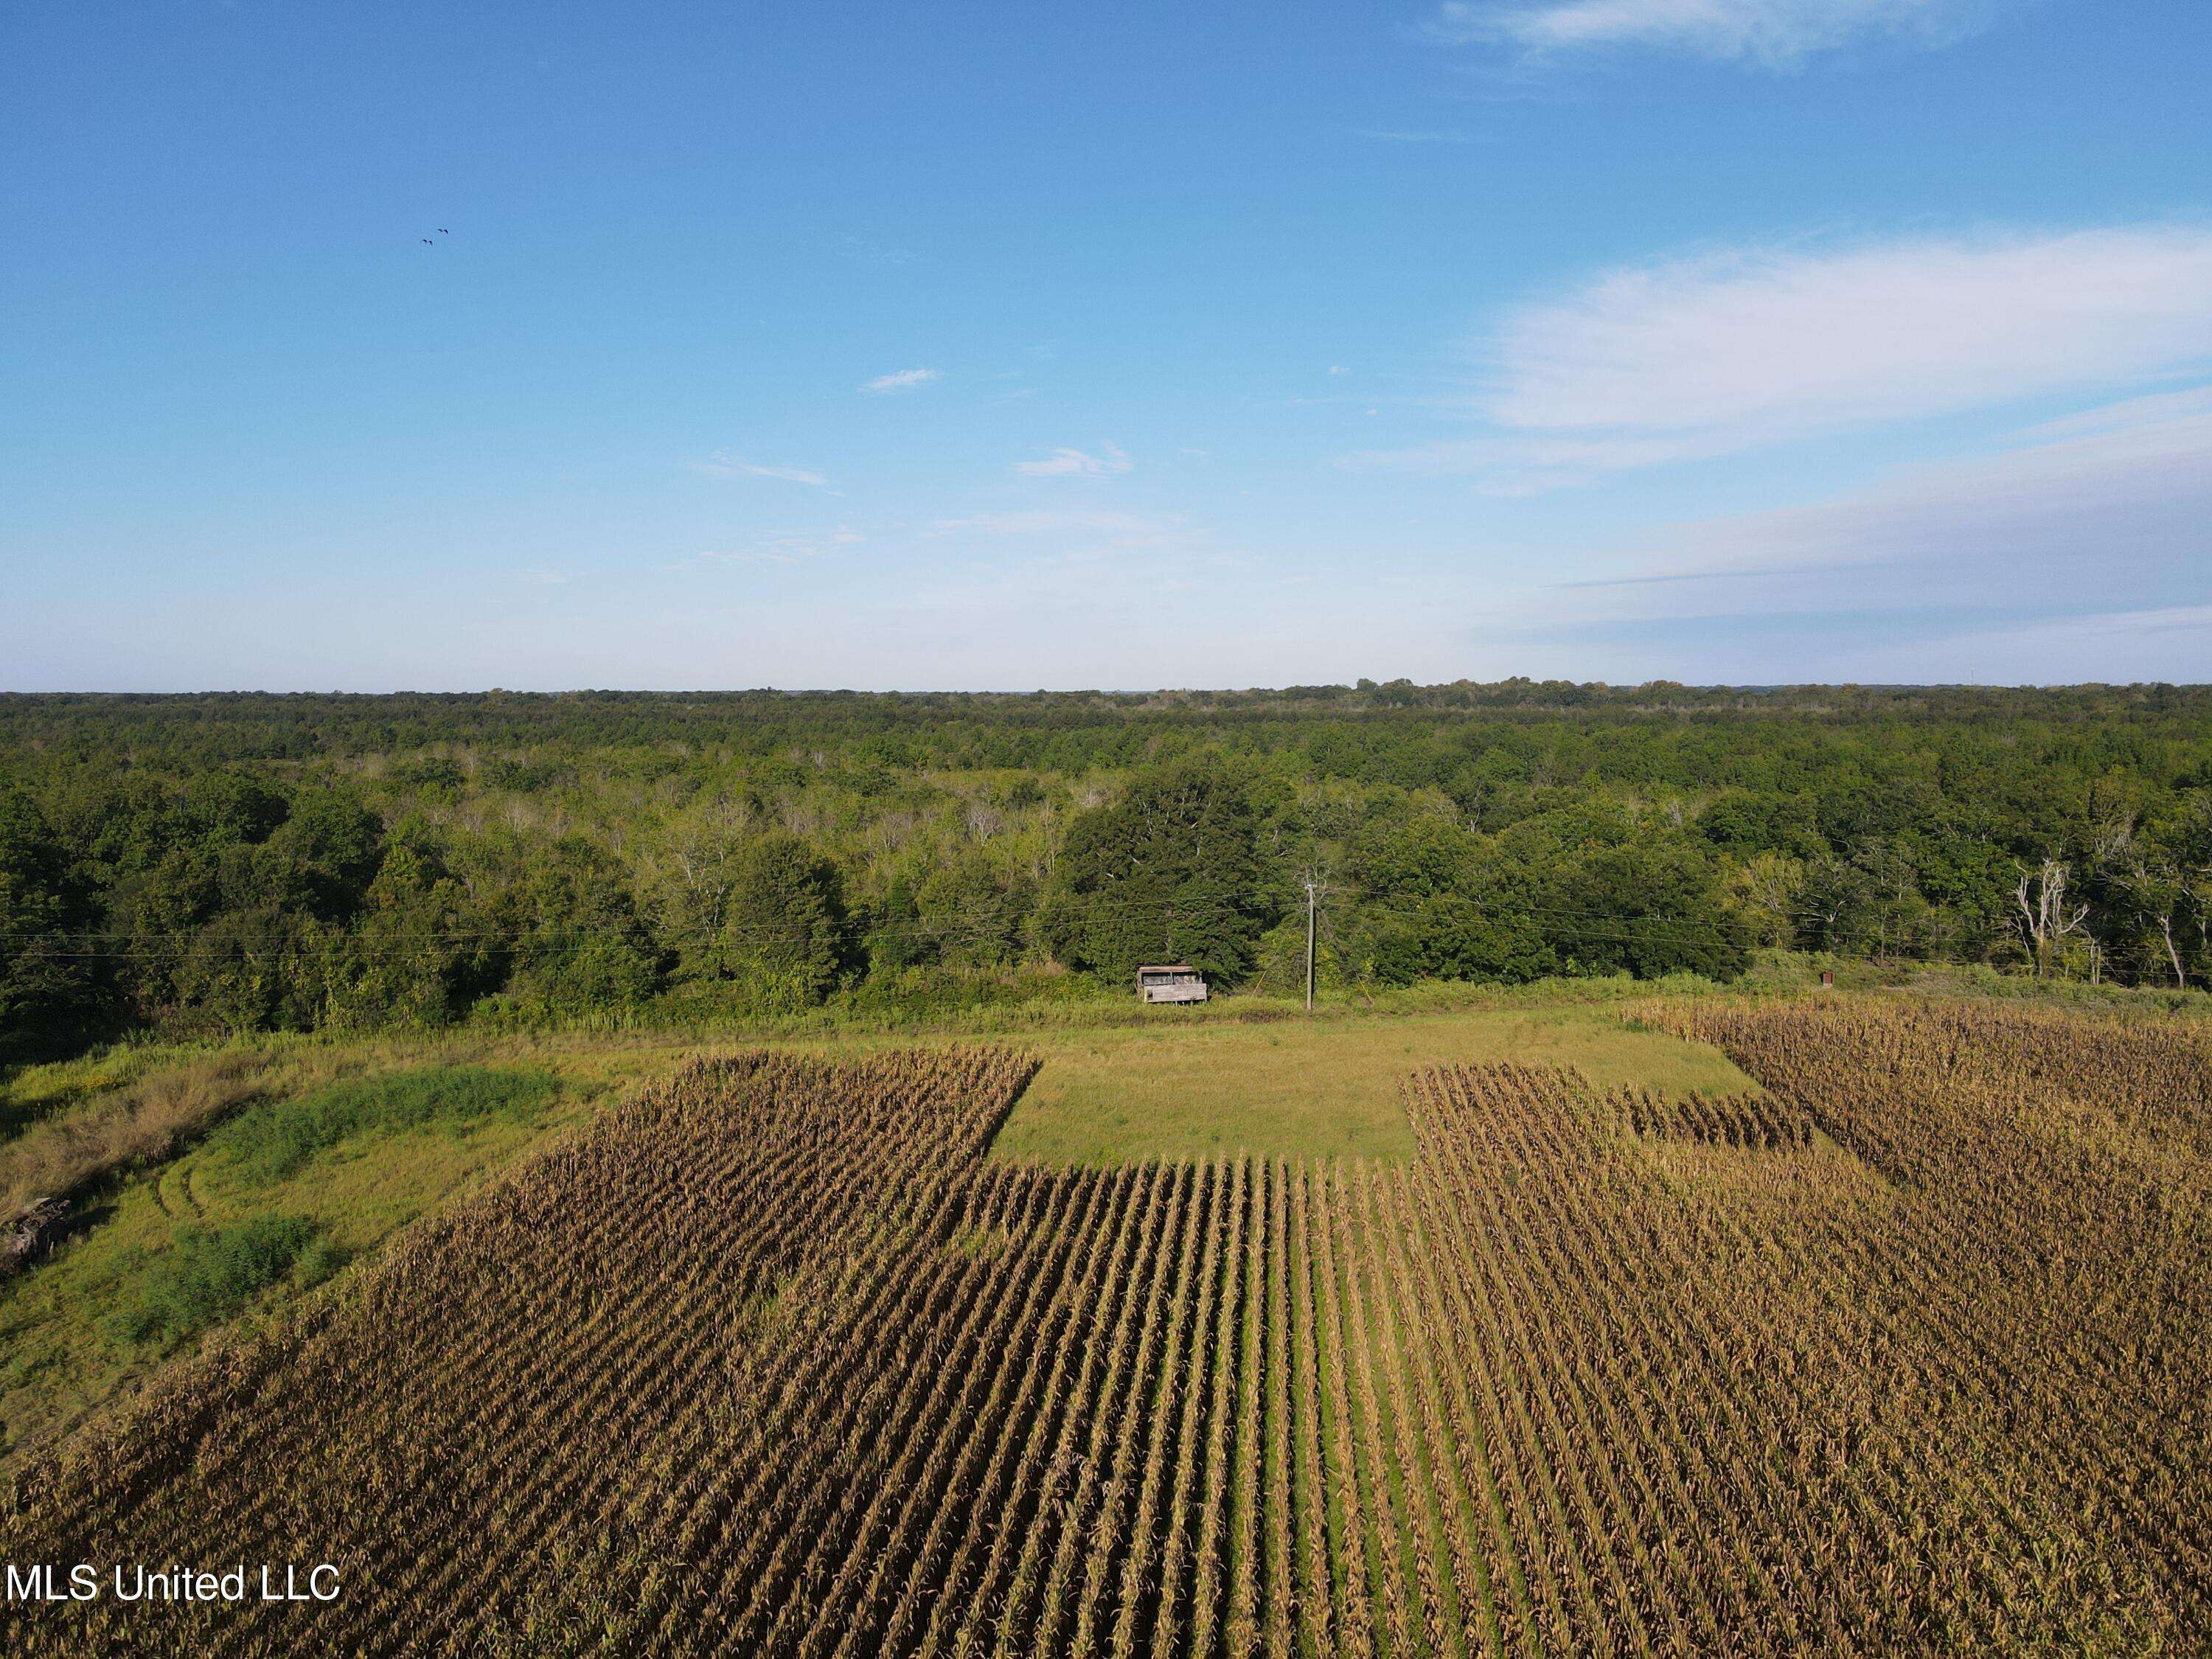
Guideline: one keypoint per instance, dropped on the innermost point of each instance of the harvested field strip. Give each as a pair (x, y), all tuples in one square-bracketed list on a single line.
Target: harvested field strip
[(773, 1359)]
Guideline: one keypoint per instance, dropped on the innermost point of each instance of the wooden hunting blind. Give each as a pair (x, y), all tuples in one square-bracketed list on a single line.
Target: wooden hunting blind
[(1170, 982)]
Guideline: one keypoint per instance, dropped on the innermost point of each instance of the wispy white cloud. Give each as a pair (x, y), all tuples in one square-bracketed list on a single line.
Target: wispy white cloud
[(1059, 523), (1052, 560), (784, 549), (904, 379), (1772, 32), (2159, 419), (1728, 351), (1734, 344), (874, 252), (725, 464), (1077, 464), (2075, 553), (2126, 488), (2103, 511), (1337, 368)]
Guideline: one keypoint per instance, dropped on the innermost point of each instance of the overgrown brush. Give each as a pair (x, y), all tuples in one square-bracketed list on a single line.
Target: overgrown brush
[(209, 1273), (267, 1143)]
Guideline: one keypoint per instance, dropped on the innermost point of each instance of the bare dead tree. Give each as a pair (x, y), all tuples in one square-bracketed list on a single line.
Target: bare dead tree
[(2046, 917), (2156, 888), (2165, 921)]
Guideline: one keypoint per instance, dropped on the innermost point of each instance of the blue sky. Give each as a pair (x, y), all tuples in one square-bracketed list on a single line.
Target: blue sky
[(1002, 347)]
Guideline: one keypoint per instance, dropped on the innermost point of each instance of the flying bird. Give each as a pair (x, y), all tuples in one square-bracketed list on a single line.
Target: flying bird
[(426, 242), (442, 231)]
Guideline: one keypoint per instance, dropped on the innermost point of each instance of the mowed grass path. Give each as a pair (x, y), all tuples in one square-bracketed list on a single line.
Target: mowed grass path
[(1295, 1089)]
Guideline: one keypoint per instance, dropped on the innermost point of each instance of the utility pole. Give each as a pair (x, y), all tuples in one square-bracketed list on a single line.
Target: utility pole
[(1310, 889)]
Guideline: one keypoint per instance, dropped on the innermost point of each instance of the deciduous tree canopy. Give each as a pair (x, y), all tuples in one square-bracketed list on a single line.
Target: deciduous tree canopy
[(233, 862), (1168, 874)]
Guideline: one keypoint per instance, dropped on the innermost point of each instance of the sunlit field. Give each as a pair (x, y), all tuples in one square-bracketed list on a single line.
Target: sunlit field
[(1902, 1351)]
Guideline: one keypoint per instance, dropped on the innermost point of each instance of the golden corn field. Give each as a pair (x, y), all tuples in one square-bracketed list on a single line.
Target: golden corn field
[(1912, 1352)]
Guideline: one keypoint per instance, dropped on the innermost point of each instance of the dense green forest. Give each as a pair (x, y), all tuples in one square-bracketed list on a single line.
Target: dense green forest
[(219, 863)]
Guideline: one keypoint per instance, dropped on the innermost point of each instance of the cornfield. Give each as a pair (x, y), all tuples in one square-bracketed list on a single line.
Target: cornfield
[(1909, 1352)]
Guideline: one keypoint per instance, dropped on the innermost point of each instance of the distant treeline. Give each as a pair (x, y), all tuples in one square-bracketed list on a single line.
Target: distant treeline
[(235, 862)]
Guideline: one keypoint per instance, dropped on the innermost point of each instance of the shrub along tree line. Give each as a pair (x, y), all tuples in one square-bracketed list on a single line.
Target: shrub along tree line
[(235, 864)]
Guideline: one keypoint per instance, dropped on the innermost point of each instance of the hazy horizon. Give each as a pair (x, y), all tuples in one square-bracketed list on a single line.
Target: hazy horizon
[(1740, 688)]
